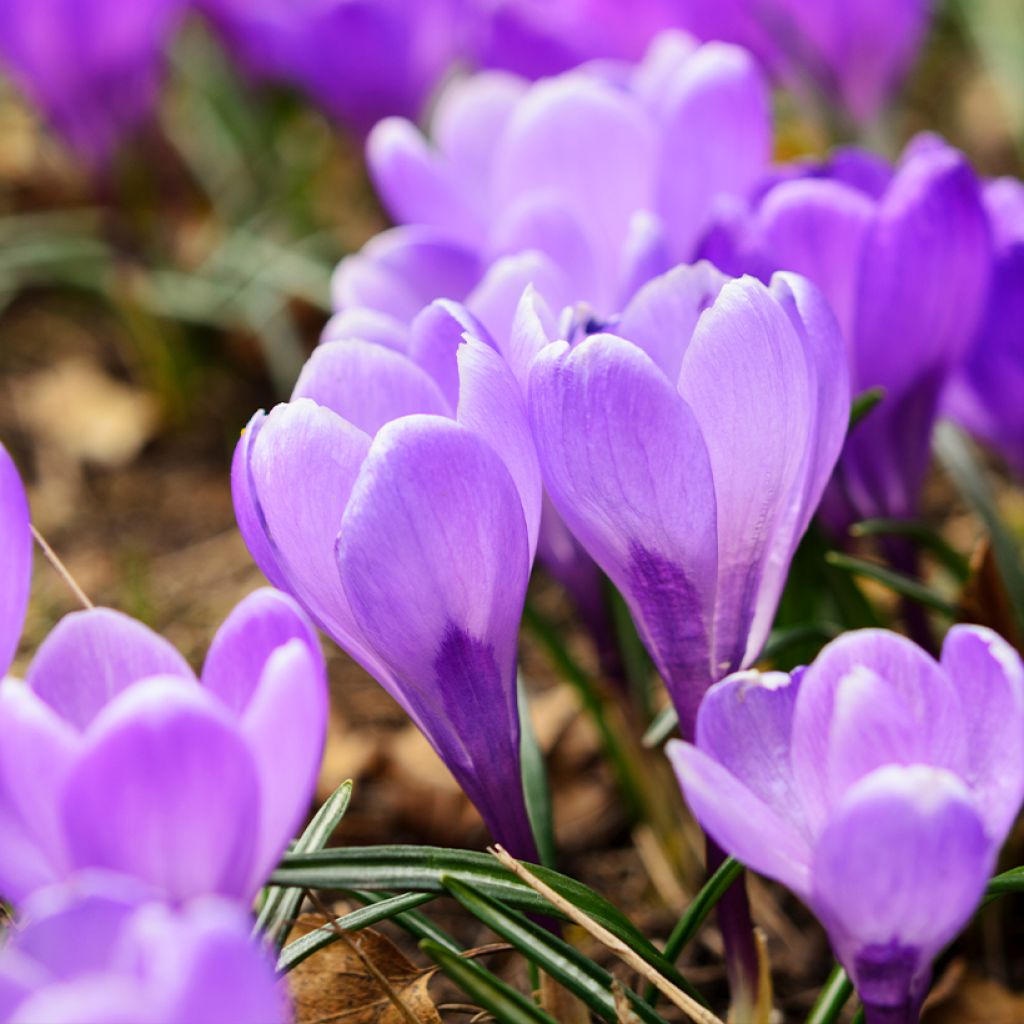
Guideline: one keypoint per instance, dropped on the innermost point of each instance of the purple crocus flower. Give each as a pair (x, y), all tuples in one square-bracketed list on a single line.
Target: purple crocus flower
[(688, 454), (986, 395), (397, 497), (100, 952), (16, 549), (116, 757), (904, 258), (856, 54), (360, 60), (92, 66), (611, 171), (877, 784)]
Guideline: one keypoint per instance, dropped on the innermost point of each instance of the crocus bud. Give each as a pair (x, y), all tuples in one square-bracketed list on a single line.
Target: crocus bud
[(877, 784), (116, 757), (688, 454), (397, 497), (92, 66)]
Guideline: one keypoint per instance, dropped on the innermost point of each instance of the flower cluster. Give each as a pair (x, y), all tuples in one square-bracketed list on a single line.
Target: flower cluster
[(142, 807)]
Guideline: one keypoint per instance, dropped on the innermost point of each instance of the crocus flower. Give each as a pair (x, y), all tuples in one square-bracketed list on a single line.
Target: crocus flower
[(856, 54), (611, 171), (16, 548), (96, 953), (115, 756), (360, 60), (877, 784), (986, 395), (904, 258), (688, 453), (92, 66), (397, 496)]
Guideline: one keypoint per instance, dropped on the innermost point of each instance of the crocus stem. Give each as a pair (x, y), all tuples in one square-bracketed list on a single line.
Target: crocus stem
[(737, 929), (903, 556)]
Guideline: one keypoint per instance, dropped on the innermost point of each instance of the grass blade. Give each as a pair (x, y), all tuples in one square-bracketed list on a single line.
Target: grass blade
[(899, 583), (832, 998), (535, 784)]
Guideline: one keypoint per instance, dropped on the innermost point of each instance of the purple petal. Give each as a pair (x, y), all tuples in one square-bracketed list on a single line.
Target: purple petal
[(399, 271), (987, 673), (367, 384), (16, 537), (303, 465), (356, 323), (285, 724), (434, 340), (645, 255), (896, 874), (871, 698), (91, 656), (36, 756), (745, 376), (85, 1000), (745, 723), (626, 467), (717, 139), (739, 821), (533, 328), (586, 142), (415, 183), (662, 316), (819, 228), (493, 407), (165, 790), (434, 557), (260, 624)]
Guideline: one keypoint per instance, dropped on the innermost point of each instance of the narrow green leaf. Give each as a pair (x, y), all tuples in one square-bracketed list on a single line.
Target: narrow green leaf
[(295, 952), (567, 965), (697, 912), (1008, 882), (898, 582), (863, 404), (924, 537), (487, 991), (416, 924), (535, 783), (281, 905), (421, 868), (832, 998), (955, 454)]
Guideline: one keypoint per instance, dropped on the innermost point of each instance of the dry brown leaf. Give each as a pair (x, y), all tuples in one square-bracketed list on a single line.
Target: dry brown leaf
[(335, 986), (561, 1003), (975, 1000), (985, 600)]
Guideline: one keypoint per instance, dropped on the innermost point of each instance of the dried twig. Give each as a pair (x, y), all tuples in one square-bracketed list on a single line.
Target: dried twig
[(673, 993), (62, 570)]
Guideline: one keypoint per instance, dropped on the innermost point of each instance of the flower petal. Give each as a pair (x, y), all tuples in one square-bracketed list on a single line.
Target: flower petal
[(165, 790), (842, 728), (16, 538), (434, 340), (626, 467), (91, 656), (259, 624), (434, 556), (493, 407), (358, 323), (367, 384), (896, 874), (285, 723), (987, 673), (739, 821)]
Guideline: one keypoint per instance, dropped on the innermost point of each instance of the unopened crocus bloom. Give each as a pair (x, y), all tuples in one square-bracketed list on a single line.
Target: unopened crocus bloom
[(611, 171), (986, 396), (360, 60), (115, 756), (100, 952), (687, 453), (397, 497), (855, 54), (16, 556), (878, 785), (904, 257), (92, 66)]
